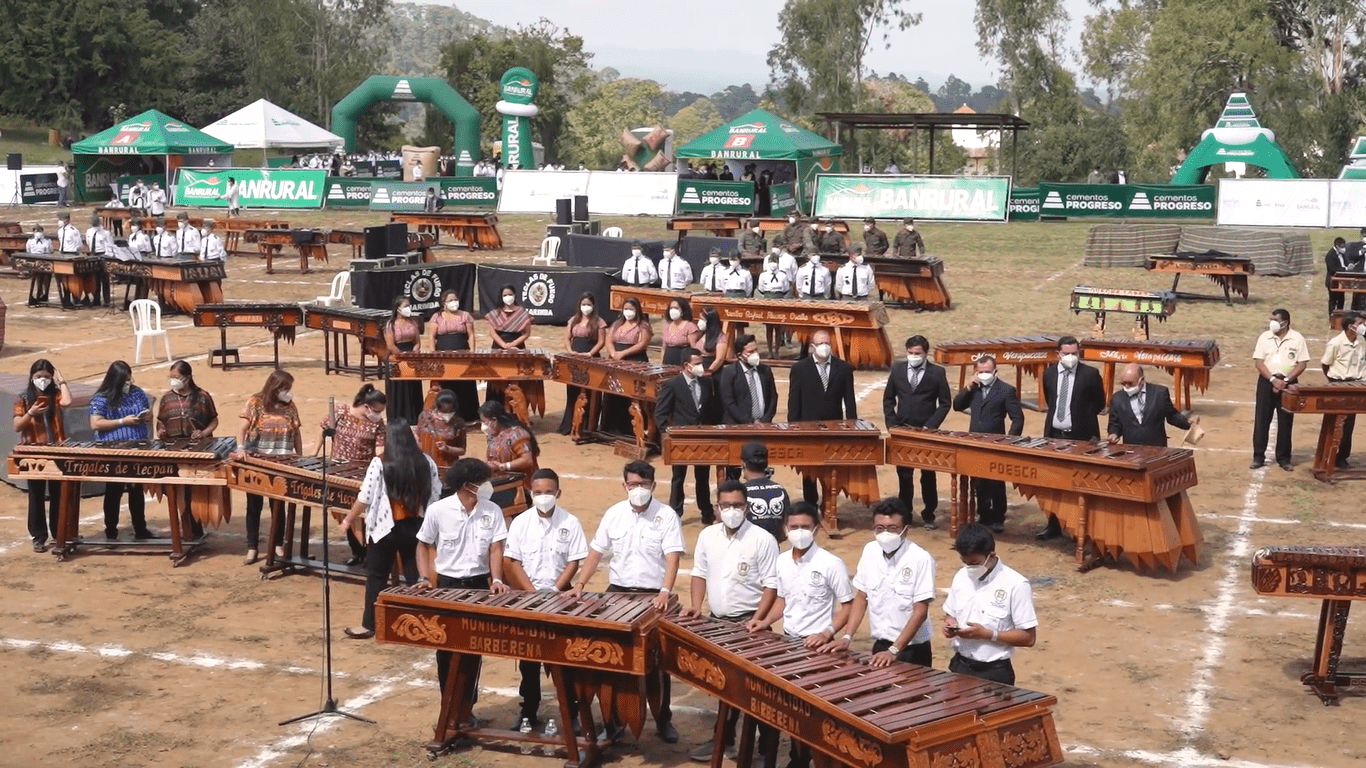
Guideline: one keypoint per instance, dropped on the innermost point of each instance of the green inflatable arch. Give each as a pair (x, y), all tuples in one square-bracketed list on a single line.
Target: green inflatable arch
[(430, 90)]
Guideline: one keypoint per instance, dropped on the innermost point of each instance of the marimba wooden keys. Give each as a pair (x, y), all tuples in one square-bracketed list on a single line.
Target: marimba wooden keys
[(233, 227), (857, 328), (520, 372), (597, 376), (281, 319), (338, 325), (913, 282), (1228, 272), (1335, 401), (179, 284), (1189, 362), (475, 228), (1029, 354), (80, 278), (1142, 304), (310, 244)]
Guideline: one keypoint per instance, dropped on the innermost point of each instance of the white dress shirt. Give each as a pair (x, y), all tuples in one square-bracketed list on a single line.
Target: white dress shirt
[(787, 263), (462, 540), (212, 248), (156, 201), (854, 280), (811, 587), (1002, 600), (379, 515), (68, 239), (545, 545), (139, 243), (164, 244), (38, 243), (774, 281), (711, 277), (737, 278), (813, 280), (99, 242), (638, 543), (638, 270), (894, 585), (675, 273), (737, 568), (187, 238)]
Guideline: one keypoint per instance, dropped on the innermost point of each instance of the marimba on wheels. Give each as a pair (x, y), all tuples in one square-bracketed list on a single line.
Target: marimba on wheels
[(521, 373), (1142, 304), (595, 377), (1336, 401), (1188, 362), (281, 319), (1029, 354), (1228, 272)]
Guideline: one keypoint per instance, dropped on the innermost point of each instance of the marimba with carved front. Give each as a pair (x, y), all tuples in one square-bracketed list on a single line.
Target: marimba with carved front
[(179, 284), (1142, 304), (597, 376), (857, 328), (595, 645), (914, 282), (849, 713), (281, 319), (1029, 354), (1228, 272), (310, 244), (843, 456), (1127, 500), (233, 227), (521, 373), (338, 325), (475, 229), (80, 278), (1335, 400), (1188, 361)]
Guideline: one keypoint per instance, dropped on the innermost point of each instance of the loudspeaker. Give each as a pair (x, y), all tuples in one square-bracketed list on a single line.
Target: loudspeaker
[(14, 162), (562, 211), (398, 238), (580, 207), (559, 230), (376, 242)]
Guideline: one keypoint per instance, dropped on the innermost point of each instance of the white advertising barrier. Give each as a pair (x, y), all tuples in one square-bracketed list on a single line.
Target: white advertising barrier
[(1347, 204), (537, 191), (1273, 202), (632, 194)]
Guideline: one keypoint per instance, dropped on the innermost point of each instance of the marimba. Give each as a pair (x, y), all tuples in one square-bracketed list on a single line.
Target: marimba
[(604, 645), (113, 219), (11, 227), (858, 331), (1142, 304), (9, 246), (849, 713), (1335, 574), (843, 456), (475, 229), (1335, 400), (1228, 272), (1123, 499), (1189, 362), (80, 278), (338, 325), (281, 319), (163, 466), (730, 225), (310, 243), (520, 372), (179, 284), (233, 227), (421, 242), (1029, 354), (653, 301), (597, 376), (912, 282)]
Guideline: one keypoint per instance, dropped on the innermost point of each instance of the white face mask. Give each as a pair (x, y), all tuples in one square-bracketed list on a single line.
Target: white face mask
[(285, 396), (635, 252), (910, 227), (772, 266), (176, 384), (858, 259), (586, 309), (867, 227), (485, 491), (1069, 361), (1275, 326), (639, 497), (1359, 330), (1131, 391), (752, 359), (801, 538), (405, 311), (702, 324), (41, 383), (732, 518), (544, 502), (452, 306), (890, 542), (128, 387), (486, 429), (374, 416), (628, 314), (976, 572), (509, 300), (697, 370), (714, 259), (668, 254), (822, 352), (814, 258), (915, 361), (986, 378), (675, 313)]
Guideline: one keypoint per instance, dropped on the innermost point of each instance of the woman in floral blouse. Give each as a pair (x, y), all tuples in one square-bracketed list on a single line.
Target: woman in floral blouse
[(441, 432), (38, 420), (359, 437), (627, 338), (511, 448), (186, 412), (270, 427)]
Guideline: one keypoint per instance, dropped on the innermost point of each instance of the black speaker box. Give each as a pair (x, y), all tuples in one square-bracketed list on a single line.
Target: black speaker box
[(563, 206), (580, 207), (14, 162), (558, 230), (398, 238), (376, 242)]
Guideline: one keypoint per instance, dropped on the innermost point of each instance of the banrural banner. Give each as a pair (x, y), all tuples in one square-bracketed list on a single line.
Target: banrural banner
[(1024, 204), (480, 192), (257, 187), (37, 188), (946, 198), (700, 196), (1132, 201), (782, 199)]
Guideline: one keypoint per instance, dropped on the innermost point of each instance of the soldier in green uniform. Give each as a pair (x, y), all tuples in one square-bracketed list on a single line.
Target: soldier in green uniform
[(752, 243), (830, 240), (874, 239), (792, 233), (908, 243)]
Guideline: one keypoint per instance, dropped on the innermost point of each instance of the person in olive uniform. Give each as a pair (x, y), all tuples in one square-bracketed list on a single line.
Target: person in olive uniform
[(831, 241), (792, 233), (908, 243), (752, 243), (875, 242)]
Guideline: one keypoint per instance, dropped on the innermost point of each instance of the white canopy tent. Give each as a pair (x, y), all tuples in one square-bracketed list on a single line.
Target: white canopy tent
[(262, 125)]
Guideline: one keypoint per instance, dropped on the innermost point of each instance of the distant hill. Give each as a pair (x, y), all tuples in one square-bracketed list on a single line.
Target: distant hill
[(417, 31)]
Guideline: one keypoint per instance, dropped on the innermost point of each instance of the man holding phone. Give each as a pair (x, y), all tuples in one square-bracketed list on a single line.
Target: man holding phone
[(989, 611)]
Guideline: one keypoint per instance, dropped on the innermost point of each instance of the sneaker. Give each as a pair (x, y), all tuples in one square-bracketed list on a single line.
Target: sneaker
[(701, 753), (39, 546)]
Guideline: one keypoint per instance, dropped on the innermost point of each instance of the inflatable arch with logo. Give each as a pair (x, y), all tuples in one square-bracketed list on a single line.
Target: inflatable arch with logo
[(1236, 138), (430, 90)]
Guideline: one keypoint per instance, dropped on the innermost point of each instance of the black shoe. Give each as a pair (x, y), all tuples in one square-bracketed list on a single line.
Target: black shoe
[(1257, 464), (667, 732), (144, 534), (39, 546), (111, 535), (355, 560), (1285, 465), (998, 528), (1342, 465), (1053, 531)]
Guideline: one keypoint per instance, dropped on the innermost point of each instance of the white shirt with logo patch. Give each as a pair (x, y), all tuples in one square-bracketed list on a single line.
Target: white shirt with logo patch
[(893, 586), (737, 568), (675, 273), (462, 540), (1002, 600), (544, 546), (811, 586), (638, 543)]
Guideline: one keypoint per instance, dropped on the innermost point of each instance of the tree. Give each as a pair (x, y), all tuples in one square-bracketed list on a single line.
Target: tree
[(694, 120), (734, 101), (596, 122), (1025, 36), (951, 94)]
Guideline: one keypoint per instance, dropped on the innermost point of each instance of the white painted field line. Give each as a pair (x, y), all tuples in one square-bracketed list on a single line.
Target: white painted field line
[(305, 729), (1184, 758), (1056, 275)]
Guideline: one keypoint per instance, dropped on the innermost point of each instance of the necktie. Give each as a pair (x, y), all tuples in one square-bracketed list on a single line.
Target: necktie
[(810, 282), (1065, 396), (825, 375), (696, 394), (915, 377), (712, 280), (1137, 403), (756, 405)]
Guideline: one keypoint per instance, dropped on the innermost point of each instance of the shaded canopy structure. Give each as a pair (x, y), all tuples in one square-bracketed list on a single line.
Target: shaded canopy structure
[(836, 122), (1237, 137), (263, 125), (150, 143)]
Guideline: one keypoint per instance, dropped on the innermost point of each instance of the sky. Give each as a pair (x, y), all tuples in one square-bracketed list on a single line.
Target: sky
[(726, 42)]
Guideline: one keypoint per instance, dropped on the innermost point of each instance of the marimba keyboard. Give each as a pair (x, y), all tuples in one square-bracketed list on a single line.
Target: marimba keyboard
[(1335, 400), (639, 382), (1228, 272), (338, 325), (1143, 304), (1029, 354), (521, 373), (282, 320), (1188, 361)]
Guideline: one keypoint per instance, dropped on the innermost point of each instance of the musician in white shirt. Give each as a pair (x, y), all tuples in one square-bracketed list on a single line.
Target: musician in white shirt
[(638, 270), (774, 284), (139, 242), (156, 200), (736, 280), (38, 242), (163, 242), (854, 280), (813, 279), (100, 243), (710, 279), (675, 273), (211, 245), (188, 239), (68, 237), (787, 263), (137, 198)]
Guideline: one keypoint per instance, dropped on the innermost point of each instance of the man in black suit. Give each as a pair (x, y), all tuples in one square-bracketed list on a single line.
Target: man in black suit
[(1338, 259), (820, 388), (990, 401), (1139, 410), (917, 395), (686, 401), (739, 383), (1075, 397)]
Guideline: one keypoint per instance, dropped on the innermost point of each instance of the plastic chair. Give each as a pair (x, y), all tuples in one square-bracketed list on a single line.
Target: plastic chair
[(337, 298), (147, 324), (612, 232), (550, 251)]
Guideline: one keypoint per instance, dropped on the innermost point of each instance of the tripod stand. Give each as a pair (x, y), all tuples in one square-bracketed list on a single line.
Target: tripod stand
[(329, 706), (16, 199)]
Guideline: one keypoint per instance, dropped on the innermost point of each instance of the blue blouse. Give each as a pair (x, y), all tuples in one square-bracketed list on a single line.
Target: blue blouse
[(133, 403)]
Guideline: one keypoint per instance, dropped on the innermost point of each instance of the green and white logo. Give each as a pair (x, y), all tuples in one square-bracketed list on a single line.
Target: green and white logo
[(518, 86)]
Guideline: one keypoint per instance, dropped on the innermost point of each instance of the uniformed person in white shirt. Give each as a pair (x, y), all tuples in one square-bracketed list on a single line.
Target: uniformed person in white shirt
[(813, 279), (460, 544), (787, 263), (737, 282), (710, 279), (188, 239), (1343, 361), (211, 246), (545, 547), (68, 237), (156, 200), (774, 284), (989, 611), (163, 242), (137, 199), (638, 270), (139, 242), (675, 273), (100, 243), (1280, 356), (854, 279), (38, 242), (894, 586), (645, 540)]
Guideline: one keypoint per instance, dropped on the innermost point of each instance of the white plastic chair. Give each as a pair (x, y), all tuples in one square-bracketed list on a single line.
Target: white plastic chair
[(337, 298), (612, 232), (147, 324), (550, 251)]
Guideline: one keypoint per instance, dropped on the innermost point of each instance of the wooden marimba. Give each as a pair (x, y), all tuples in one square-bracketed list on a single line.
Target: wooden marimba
[(1336, 401), (1142, 304), (849, 713), (730, 225), (310, 243), (1189, 362), (1228, 272), (11, 228), (843, 456), (912, 282), (1125, 500), (421, 242), (338, 325), (114, 219), (654, 302), (638, 382), (9, 246), (233, 227), (595, 645), (1029, 354), (163, 466), (179, 284), (1334, 574), (475, 229), (80, 277), (520, 372), (857, 328), (281, 319)]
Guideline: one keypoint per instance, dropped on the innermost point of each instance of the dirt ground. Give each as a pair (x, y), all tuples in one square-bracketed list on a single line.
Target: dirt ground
[(121, 660)]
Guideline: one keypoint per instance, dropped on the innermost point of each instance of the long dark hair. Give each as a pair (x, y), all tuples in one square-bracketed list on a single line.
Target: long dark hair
[(52, 393), (580, 317), (112, 387), (516, 302), (633, 303), (407, 477), (369, 395), (183, 370), (278, 381), (713, 331), (494, 410), (447, 398)]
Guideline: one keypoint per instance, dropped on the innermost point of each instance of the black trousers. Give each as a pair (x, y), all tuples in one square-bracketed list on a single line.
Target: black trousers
[(188, 525), (1269, 403), (913, 653), (929, 490), (767, 733), (703, 490), (811, 493), (1335, 300), (401, 541), (665, 713), (255, 504), (991, 501), (40, 527), (113, 494), (997, 671), (444, 658)]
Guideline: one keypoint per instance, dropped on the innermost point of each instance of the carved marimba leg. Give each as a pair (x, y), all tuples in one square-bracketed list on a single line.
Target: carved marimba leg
[(580, 405), (1328, 650), (565, 689), (718, 738), (457, 701), (1330, 437), (515, 400), (68, 517), (639, 428)]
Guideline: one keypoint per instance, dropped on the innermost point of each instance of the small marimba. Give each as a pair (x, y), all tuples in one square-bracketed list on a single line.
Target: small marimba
[(338, 325), (1142, 304), (281, 319), (310, 243), (520, 372), (1188, 361), (9, 246), (1228, 272), (1029, 354), (179, 284), (1335, 400), (233, 227), (1335, 574), (476, 229), (597, 376), (857, 328), (81, 281), (912, 282)]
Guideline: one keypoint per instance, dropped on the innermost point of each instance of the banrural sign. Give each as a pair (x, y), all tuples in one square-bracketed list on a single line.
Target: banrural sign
[(948, 198), (257, 188)]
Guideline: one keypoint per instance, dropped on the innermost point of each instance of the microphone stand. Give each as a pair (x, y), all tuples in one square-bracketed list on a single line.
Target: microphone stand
[(329, 706)]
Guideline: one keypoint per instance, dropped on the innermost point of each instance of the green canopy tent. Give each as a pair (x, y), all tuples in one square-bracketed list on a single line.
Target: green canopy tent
[(1237, 137), (151, 143), (1356, 161), (763, 138)]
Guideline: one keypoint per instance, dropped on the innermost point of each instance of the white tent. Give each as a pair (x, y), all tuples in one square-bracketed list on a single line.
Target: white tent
[(262, 125)]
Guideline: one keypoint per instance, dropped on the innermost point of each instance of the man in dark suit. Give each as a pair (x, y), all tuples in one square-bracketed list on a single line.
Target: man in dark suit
[(820, 388), (1338, 259), (989, 401), (739, 383), (1138, 411), (686, 401), (917, 395), (1075, 397)]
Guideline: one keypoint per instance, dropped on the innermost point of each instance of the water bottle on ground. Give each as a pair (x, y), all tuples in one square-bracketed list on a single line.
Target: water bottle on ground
[(525, 730), (550, 732)]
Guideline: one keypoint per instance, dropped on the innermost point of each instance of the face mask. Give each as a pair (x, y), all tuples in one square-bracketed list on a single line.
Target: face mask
[(586, 309), (285, 396), (1275, 326), (675, 313), (128, 387), (486, 429), (801, 538), (915, 361), (772, 266), (910, 227), (41, 383), (635, 252), (176, 384), (976, 572), (752, 359), (702, 324), (867, 227), (1069, 361), (629, 314), (732, 518), (374, 416), (697, 370), (792, 220), (714, 259), (890, 542), (814, 258), (485, 491), (509, 300), (405, 311), (822, 352), (544, 502), (639, 497), (828, 230), (986, 378), (1360, 330), (1131, 391), (452, 306)]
